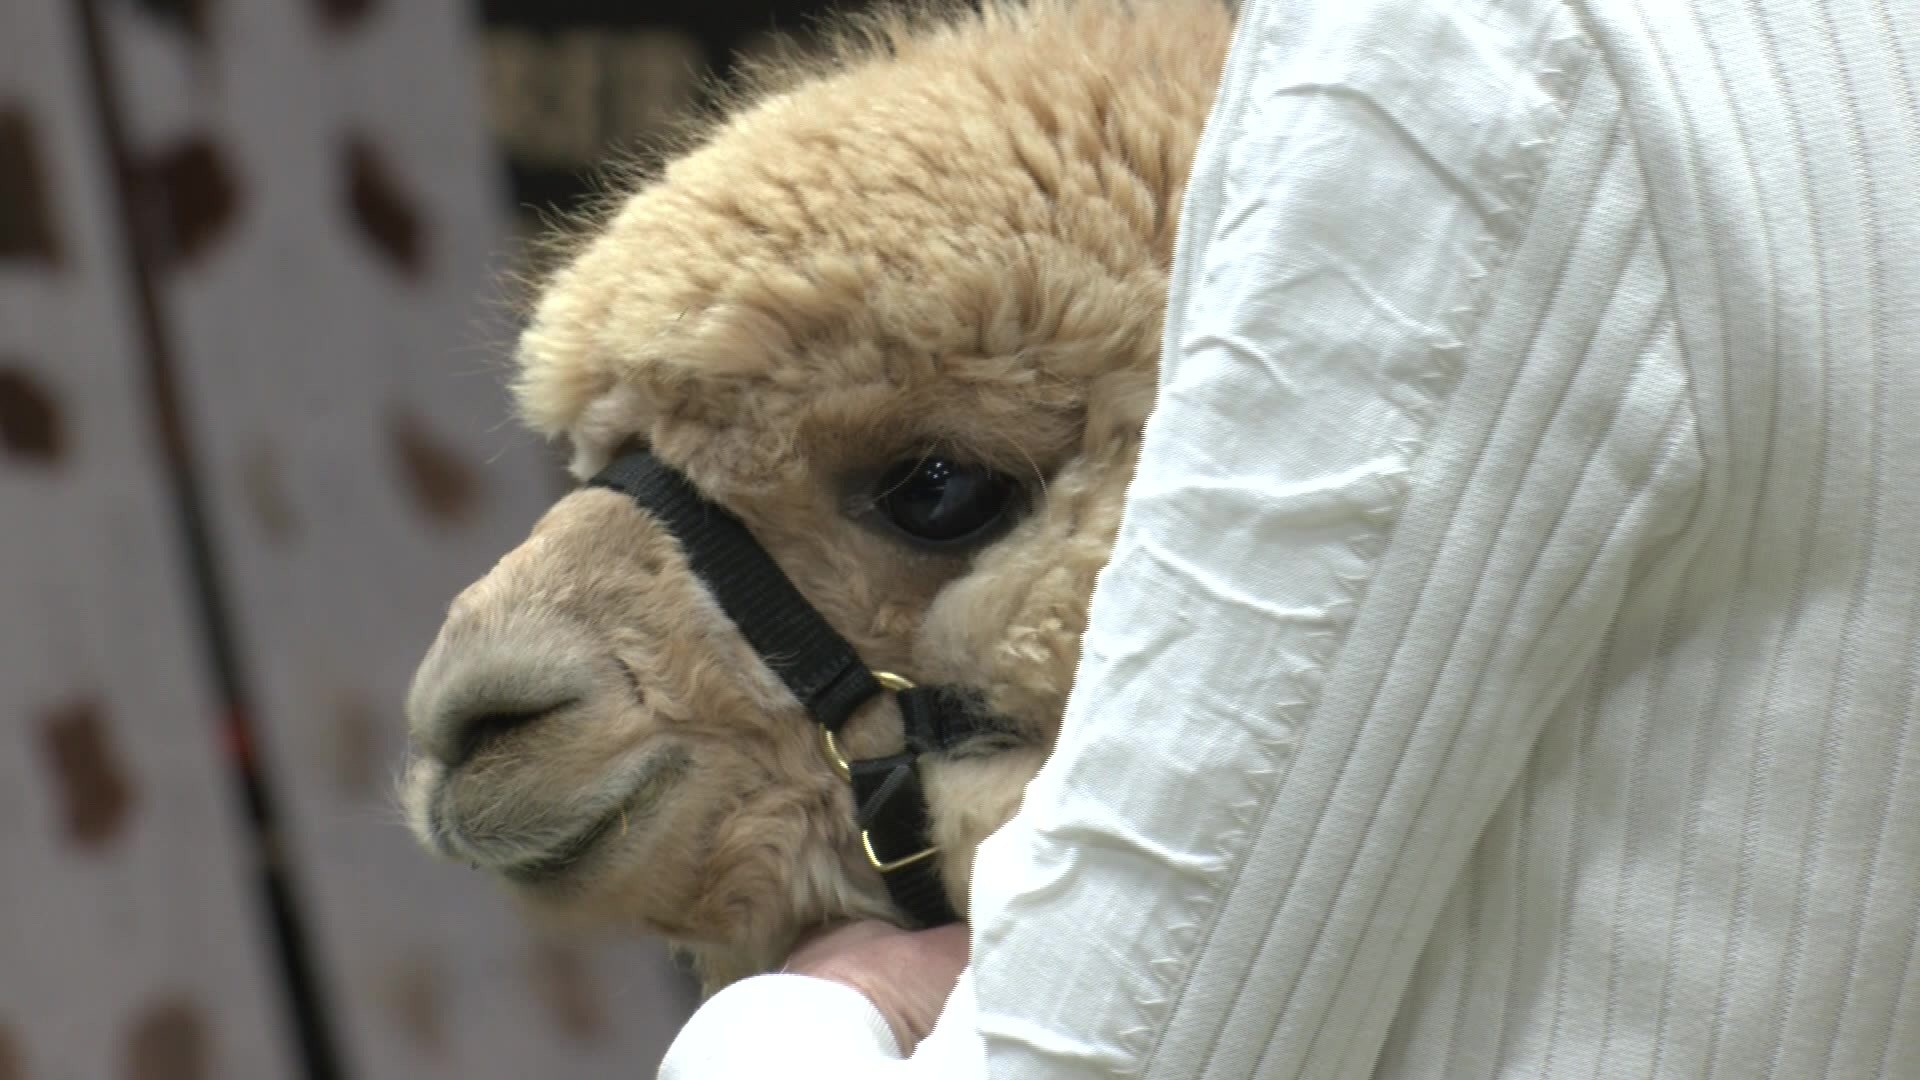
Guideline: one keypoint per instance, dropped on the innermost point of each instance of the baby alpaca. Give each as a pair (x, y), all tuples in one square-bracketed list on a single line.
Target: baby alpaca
[(898, 312)]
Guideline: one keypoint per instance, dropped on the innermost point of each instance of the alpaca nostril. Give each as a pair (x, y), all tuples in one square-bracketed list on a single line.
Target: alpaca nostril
[(474, 733), (488, 679)]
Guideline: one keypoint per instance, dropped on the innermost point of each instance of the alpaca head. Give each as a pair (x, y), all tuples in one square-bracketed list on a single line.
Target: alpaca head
[(900, 316)]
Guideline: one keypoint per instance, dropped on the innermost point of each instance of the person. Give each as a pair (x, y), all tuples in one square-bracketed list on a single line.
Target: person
[(1542, 700)]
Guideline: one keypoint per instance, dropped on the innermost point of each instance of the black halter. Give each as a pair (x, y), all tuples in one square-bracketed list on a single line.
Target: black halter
[(822, 670)]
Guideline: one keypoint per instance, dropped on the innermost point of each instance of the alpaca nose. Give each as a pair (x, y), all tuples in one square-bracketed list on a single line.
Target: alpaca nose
[(471, 731), (482, 681)]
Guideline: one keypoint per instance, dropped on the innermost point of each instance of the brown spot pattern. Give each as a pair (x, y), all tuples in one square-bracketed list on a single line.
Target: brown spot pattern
[(95, 793), (440, 481), (356, 742), (30, 424), (193, 18), (263, 483), (26, 216), (10, 1067), (339, 14), (383, 211), (188, 196), (562, 982), (413, 994), (168, 1042)]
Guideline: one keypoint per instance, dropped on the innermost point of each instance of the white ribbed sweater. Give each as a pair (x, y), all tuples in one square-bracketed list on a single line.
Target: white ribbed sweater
[(1507, 666)]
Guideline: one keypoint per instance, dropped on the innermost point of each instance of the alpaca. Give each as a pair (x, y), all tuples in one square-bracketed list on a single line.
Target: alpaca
[(898, 311)]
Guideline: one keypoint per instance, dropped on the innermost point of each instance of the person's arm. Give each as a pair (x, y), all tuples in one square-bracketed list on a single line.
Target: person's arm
[(1423, 423)]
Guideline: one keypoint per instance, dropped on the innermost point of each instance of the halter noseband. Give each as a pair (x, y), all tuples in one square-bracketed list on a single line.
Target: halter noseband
[(822, 671)]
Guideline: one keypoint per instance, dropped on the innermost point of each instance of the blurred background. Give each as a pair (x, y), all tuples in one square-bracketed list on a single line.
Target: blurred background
[(253, 438)]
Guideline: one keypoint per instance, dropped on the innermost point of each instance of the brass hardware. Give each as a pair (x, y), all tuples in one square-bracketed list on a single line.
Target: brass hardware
[(834, 755), (888, 681), (866, 843), (896, 683)]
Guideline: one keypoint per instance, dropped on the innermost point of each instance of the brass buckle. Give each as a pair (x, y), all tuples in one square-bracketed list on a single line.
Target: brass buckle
[(873, 859), (834, 755), (888, 681), (896, 683)]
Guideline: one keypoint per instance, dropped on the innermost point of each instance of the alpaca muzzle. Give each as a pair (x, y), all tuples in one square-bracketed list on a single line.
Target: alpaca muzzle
[(822, 671)]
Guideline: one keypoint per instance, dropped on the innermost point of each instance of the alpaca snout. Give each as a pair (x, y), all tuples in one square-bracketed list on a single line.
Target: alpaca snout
[(528, 753), (488, 679)]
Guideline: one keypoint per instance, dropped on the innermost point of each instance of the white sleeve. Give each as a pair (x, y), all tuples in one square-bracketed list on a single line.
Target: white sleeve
[(1423, 422), (777, 1024), (796, 1028)]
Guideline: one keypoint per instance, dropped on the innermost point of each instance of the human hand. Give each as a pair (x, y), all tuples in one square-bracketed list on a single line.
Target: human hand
[(907, 974)]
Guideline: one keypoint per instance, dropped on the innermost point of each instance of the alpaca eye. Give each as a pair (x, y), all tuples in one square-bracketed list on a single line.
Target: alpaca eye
[(940, 501)]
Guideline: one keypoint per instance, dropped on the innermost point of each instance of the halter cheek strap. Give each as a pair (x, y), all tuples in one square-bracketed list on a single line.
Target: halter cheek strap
[(823, 672)]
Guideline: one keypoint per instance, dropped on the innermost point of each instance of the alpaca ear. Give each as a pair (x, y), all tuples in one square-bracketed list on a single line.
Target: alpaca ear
[(609, 421)]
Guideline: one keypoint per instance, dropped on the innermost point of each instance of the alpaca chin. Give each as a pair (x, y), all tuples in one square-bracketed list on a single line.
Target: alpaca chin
[(820, 887)]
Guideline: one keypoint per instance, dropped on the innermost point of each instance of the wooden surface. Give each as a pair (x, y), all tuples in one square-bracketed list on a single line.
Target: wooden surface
[(132, 942)]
